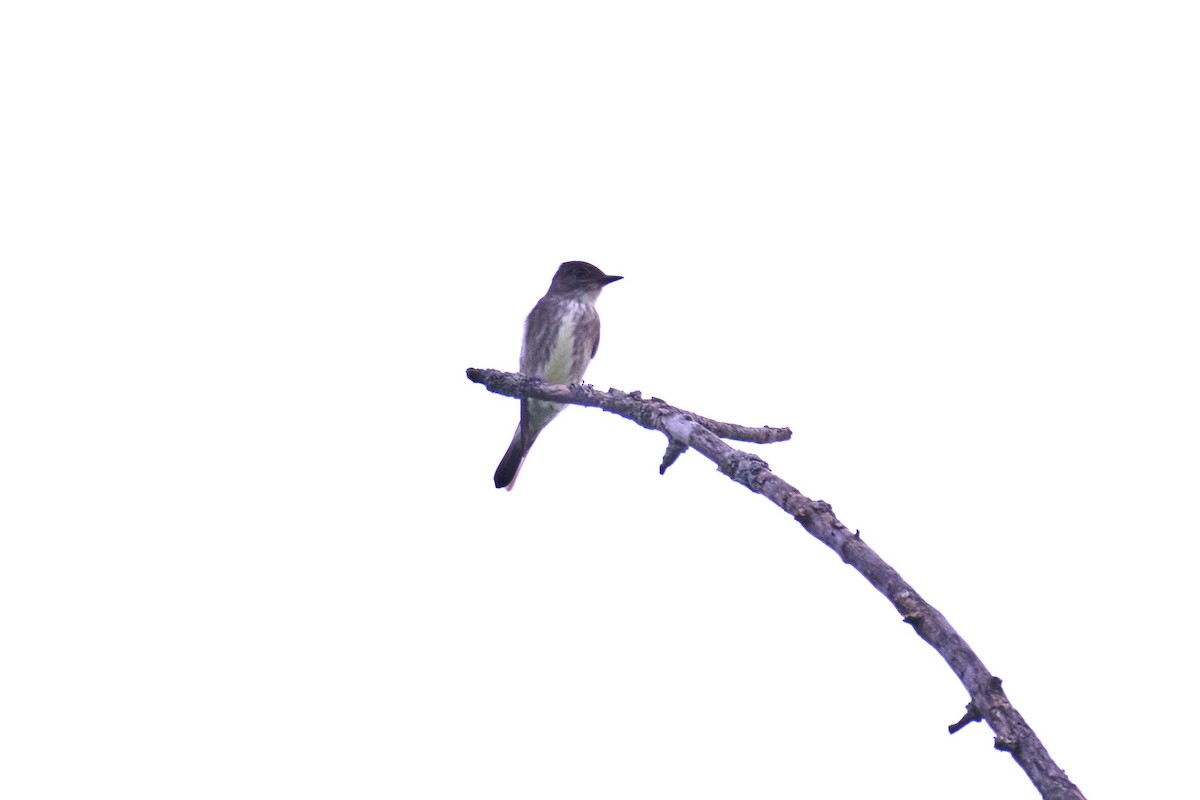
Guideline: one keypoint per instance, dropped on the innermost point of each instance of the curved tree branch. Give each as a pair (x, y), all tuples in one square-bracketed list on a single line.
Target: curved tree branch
[(684, 429)]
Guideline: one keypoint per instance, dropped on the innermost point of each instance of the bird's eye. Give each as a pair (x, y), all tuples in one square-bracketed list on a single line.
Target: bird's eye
[(580, 272)]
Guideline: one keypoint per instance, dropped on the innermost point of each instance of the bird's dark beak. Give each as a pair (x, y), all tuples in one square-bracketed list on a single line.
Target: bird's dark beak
[(607, 279)]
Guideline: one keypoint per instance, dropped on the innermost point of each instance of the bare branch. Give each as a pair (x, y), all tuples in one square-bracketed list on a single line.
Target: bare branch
[(684, 430), (630, 405)]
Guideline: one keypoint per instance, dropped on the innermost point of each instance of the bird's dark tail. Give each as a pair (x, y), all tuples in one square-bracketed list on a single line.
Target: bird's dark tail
[(510, 465)]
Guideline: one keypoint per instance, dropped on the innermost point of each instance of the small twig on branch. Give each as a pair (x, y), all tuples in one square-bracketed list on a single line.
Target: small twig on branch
[(685, 430), (972, 715)]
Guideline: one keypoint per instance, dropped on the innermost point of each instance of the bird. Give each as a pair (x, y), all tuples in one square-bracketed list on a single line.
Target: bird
[(562, 333)]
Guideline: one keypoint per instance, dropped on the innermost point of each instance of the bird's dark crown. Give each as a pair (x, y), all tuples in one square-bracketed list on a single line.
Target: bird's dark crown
[(576, 275)]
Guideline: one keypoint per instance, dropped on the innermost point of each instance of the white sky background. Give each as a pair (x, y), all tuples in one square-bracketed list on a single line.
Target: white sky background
[(250, 544)]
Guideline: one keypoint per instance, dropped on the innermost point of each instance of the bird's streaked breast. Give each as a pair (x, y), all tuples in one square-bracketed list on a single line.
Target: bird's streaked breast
[(561, 367)]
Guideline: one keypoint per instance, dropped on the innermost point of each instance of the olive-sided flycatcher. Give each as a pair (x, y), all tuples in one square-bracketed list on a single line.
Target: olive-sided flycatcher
[(561, 336)]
